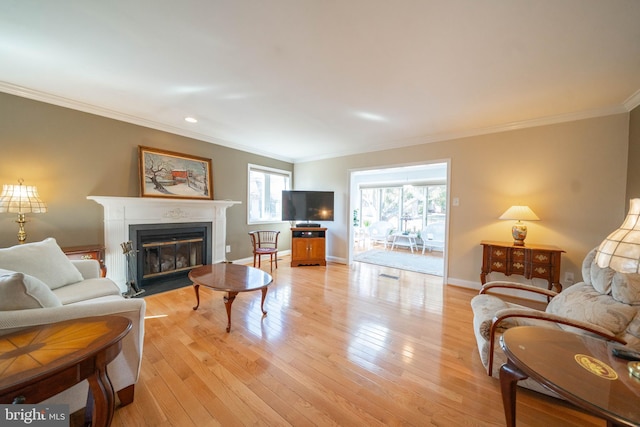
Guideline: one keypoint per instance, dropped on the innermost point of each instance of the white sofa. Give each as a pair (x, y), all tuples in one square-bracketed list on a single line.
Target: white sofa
[(40, 285)]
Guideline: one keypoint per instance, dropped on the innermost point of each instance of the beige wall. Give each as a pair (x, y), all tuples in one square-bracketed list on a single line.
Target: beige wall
[(70, 155), (573, 175)]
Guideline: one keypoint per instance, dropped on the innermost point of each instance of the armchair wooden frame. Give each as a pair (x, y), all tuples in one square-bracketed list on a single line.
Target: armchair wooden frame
[(529, 313)]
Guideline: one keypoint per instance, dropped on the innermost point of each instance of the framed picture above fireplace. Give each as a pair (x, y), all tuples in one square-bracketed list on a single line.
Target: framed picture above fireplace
[(174, 175)]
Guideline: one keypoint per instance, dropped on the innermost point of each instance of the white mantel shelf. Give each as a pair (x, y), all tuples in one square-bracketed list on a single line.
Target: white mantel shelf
[(121, 212)]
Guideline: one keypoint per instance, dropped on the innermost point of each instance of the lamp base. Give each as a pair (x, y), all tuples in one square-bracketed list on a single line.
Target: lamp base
[(519, 233), (22, 234)]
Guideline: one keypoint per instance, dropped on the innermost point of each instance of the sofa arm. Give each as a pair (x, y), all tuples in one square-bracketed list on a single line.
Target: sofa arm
[(510, 313), (123, 371), (89, 268), (519, 286)]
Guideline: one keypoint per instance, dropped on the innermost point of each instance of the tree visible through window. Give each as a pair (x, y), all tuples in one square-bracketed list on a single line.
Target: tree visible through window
[(265, 193), (406, 207)]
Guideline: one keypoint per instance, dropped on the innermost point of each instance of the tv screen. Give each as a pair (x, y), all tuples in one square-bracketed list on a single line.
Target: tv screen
[(307, 205)]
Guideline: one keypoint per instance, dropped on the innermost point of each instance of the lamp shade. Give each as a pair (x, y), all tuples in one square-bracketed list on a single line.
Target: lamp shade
[(621, 249), (21, 199), (520, 213)]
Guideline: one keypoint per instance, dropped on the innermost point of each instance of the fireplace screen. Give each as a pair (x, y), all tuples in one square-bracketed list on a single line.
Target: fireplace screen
[(165, 257)]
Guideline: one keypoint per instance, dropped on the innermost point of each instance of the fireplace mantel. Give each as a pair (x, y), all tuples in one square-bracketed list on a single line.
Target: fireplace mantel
[(121, 212)]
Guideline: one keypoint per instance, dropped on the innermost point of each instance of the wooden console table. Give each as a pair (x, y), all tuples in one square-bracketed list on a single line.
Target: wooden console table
[(530, 261)]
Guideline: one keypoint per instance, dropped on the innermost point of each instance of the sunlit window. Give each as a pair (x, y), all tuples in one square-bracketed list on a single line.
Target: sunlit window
[(265, 194), (405, 207)]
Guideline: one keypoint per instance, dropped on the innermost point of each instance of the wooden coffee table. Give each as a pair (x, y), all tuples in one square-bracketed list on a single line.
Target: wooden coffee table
[(579, 368), (232, 279), (42, 361)]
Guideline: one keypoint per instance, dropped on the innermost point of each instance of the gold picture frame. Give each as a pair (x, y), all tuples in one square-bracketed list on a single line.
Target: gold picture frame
[(172, 175)]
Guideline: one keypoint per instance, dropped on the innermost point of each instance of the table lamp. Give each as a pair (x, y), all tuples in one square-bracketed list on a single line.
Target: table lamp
[(21, 199), (621, 249), (519, 230)]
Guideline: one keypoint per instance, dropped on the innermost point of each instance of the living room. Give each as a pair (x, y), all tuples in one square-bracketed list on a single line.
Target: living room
[(576, 169)]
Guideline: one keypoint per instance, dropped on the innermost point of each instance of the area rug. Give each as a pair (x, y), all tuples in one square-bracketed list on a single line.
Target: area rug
[(404, 261)]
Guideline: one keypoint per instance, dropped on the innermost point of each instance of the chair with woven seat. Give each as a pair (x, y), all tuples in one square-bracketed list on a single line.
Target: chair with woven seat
[(265, 242)]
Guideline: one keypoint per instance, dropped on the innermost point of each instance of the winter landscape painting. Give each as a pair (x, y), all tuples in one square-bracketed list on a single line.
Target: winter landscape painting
[(174, 175)]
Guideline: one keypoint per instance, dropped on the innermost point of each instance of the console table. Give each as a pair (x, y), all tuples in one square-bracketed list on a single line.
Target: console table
[(530, 261)]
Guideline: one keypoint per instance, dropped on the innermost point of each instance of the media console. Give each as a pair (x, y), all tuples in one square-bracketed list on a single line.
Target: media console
[(308, 246)]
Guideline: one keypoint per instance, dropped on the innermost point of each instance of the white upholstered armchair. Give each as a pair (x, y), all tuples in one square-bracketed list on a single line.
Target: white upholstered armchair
[(606, 304)]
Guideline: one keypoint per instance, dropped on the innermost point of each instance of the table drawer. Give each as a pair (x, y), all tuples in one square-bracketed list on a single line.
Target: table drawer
[(541, 257)]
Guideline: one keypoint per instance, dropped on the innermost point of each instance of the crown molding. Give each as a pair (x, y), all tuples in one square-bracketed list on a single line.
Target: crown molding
[(448, 136), (111, 114), (632, 102)]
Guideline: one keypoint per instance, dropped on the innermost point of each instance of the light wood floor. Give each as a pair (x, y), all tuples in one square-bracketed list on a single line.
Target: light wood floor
[(353, 346)]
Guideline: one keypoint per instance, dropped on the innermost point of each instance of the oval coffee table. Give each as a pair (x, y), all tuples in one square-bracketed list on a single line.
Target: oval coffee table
[(230, 278), (578, 367)]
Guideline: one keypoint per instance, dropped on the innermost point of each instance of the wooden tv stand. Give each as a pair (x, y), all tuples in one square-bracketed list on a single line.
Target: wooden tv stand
[(308, 246)]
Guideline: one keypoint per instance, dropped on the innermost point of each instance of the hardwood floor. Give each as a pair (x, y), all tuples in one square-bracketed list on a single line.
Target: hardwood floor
[(352, 346)]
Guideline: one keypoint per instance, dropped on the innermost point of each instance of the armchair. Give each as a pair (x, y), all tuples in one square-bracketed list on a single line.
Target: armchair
[(265, 242), (604, 304), (379, 232)]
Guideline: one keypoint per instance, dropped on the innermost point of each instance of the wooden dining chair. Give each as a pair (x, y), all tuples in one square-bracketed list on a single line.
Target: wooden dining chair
[(265, 242)]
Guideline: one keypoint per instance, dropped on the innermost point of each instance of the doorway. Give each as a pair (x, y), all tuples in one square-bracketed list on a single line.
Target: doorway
[(400, 217)]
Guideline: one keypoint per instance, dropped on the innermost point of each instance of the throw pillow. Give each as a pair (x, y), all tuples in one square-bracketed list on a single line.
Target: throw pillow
[(20, 292), (43, 260)]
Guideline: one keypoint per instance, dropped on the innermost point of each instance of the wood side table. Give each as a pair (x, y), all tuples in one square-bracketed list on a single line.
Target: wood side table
[(42, 361), (530, 261)]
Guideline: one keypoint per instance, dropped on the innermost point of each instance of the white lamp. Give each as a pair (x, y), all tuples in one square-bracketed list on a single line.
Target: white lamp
[(21, 199), (519, 230), (621, 249)]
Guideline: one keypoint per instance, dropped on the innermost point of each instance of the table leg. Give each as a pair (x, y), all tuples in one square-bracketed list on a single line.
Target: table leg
[(228, 300), (103, 397), (196, 288), (264, 295), (509, 377)]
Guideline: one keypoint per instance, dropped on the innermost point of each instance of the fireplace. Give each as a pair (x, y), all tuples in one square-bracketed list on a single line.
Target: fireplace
[(165, 253), (120, 213)]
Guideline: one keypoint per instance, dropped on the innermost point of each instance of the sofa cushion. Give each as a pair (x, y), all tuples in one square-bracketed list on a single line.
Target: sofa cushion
[(582, 302), (86, 290), (596, 276), (625, 288), (484, 309), (43, 260), (19, 291)]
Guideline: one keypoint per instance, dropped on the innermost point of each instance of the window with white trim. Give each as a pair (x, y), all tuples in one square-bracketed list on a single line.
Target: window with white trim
[(265, 194)]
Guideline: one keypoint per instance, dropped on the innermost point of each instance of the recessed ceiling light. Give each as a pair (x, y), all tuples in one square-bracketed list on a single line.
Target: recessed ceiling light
[(191, 119)]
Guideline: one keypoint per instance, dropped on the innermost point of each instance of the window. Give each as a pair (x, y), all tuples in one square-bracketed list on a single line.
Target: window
[(265, 194), (406, 207)]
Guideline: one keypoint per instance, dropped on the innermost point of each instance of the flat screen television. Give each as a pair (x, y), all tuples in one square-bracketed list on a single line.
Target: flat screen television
[(307, 205)]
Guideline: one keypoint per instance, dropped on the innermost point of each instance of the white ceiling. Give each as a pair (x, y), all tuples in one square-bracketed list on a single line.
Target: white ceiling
[(308, 79)]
